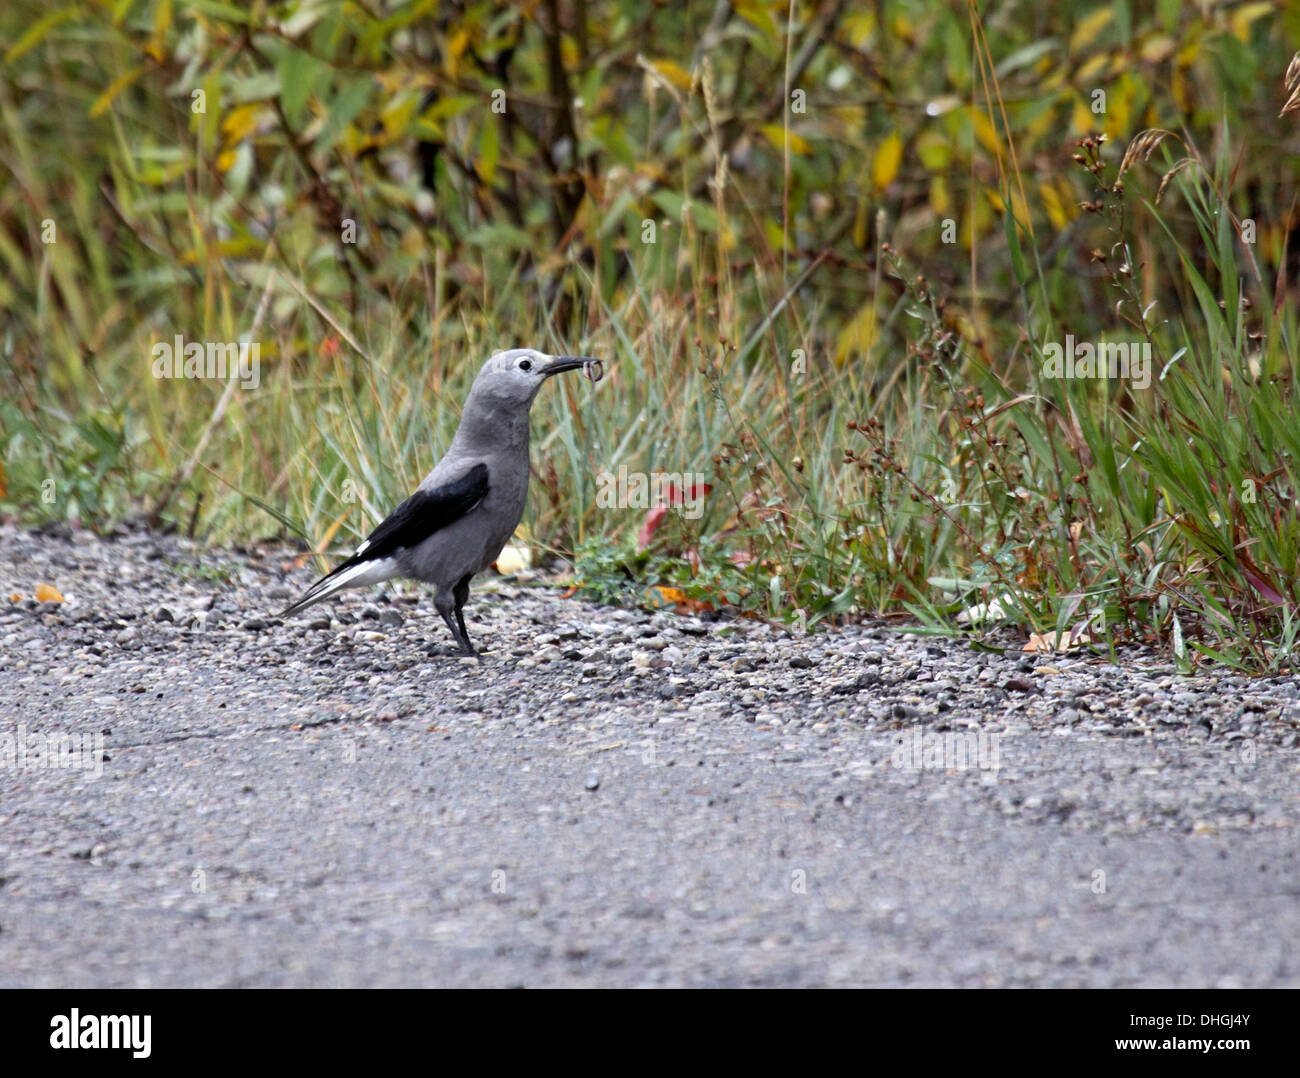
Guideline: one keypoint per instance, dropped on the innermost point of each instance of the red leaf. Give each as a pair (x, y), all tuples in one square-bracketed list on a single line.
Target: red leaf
[(1264, 587), (673, 495), (652, 521)]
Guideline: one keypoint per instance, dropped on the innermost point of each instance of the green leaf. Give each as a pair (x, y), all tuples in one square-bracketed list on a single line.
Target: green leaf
[(489, 151), (500, 235), (1013, 241), (37, 32), (670, 202), (1026, 56), (229, 12), (297, 71), (345, 107)]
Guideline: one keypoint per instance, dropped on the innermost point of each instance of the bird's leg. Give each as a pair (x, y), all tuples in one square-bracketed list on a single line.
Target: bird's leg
[(445, 603), (460, 593)]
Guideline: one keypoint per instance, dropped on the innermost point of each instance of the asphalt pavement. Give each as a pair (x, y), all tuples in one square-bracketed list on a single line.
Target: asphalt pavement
[(612, 797)]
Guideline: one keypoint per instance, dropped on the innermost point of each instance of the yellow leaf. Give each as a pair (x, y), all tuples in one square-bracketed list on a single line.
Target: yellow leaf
[(489, 152), (104, 100), (775, 234), (851, 118), (48, 593), (778, 136), (727, 235), (241, 122), (162, 22), (1119, 108), (1089, 27), (456, 45), (226, 161), (1247, 14), (973, 226), (1082, 120), (940, 200), (756, 14), (1048, 122), (235, 247), (1157, 49), (1055, 206), (934, 151), (161, 177), (860, 222), (1021, 210), (674, 73), (1178, 89), (859, 26), (985, 131), (661, 596), (858, 337), (398, 113), (330, 532), (1091, 67), (1052, 82), (888, 157)]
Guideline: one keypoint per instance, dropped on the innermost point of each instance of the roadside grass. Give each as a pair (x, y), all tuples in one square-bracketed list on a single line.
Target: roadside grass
[(931, 472), (1166, 517)]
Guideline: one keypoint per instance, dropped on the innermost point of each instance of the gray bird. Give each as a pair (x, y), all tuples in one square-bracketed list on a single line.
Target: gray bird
[(460, 517)]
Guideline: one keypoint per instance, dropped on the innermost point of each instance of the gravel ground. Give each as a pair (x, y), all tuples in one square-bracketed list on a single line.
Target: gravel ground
[(611, 798)]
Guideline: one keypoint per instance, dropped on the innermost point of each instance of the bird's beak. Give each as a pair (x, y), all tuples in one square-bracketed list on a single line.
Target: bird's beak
[(560, 364)]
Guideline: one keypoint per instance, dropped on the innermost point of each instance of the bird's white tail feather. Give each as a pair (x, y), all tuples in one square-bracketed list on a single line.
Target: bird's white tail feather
[(371, 572)]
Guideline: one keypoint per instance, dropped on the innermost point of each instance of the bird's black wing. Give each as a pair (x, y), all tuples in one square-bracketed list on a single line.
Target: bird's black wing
[(422, 514), (410, 524)]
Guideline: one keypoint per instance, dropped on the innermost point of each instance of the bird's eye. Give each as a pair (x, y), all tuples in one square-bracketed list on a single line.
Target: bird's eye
[(525, 365)]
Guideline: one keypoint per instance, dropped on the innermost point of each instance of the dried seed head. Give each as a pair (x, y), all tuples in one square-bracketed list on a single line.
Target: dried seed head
[(1143, 146), (1164, 180), (1291, 86)]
